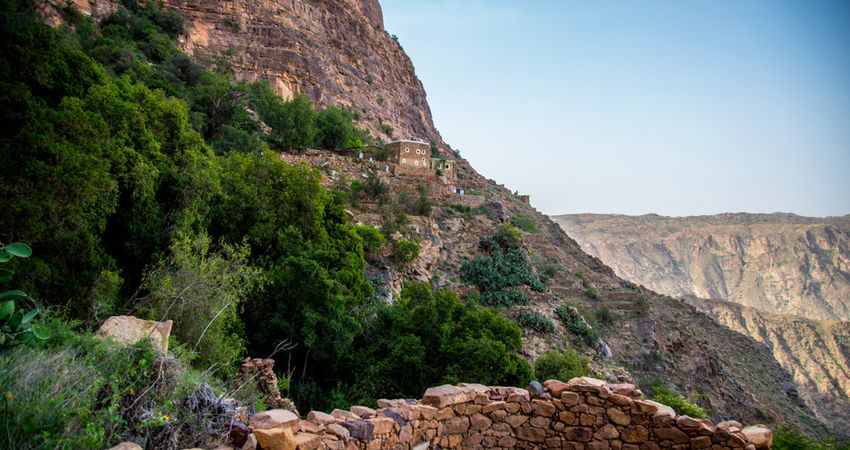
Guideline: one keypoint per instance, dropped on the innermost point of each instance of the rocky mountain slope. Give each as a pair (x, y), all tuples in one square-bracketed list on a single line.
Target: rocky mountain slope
[(773, 264), (816, 353), (778, 263), (336, 52)]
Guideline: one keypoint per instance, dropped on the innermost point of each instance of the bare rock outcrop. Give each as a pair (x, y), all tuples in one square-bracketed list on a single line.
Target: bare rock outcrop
[(129, 330)]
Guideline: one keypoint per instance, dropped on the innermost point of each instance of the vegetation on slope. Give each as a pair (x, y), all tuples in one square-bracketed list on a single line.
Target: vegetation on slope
[(149, 184)]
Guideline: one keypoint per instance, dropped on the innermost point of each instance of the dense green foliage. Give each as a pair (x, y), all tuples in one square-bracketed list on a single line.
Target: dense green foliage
[(149, 184), (405, 251), (504, 269), (681, 405), (15, 324), (373, 239), (575, 323), (534, 321), (784, 439), (524, 223), (563, 366), (428, 338)]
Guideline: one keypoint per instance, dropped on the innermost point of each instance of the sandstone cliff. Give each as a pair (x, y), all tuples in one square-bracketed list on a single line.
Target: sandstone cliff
[(778, 263), (334, 51)]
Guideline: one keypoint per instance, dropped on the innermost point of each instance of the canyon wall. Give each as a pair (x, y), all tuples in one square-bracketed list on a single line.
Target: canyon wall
[(334, 51), (779, 263)]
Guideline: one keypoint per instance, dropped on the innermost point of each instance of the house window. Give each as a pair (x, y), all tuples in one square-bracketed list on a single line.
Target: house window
[(403, 160), (406, 150), (423, 161), (416, 163)]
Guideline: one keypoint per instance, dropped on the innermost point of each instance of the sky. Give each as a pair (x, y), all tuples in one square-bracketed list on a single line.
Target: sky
[(633, 107)]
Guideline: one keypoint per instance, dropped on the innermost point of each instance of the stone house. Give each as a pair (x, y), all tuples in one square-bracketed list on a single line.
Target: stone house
[(444, 167), (411, 157)]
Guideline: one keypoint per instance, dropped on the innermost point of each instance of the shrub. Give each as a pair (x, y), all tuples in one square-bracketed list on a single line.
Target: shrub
[(555, 365), (506, 238), (334, 130), (428, 337), (575, 323), (505, 268), (374, 187), (534, 321), (784, 439), (405, 251), (603, 316), (679, 404), (202, 291), (524, 223), (591, 293), (372, 239)]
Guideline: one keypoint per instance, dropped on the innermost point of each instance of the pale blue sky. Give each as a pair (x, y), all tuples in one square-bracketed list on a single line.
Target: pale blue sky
[(671, 107)]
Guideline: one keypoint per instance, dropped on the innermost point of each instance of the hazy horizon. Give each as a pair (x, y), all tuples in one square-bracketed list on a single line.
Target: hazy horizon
[(676, 109)]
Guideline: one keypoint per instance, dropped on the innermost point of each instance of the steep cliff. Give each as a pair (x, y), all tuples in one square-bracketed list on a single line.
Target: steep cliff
[(334, 51), (816, 353), (778, 263)]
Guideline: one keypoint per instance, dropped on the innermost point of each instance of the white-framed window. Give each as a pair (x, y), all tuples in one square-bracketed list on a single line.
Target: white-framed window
[(406, 150), (423, 161), (403, 160), (415, 163)]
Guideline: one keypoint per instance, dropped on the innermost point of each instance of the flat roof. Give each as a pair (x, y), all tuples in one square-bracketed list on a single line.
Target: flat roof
[(409, 141)]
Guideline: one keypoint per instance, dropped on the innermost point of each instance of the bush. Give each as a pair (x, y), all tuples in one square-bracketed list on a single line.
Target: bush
[(784, 439), (15, 324), (428, 337), (524, 223), (372, 239), (334, 130), (592, 294), (534, 321), (679, 404), (374, 187), (555, 365), (603, 316), (405, 251), (498, 274), (575, 323), (506, 238), (202, 290)]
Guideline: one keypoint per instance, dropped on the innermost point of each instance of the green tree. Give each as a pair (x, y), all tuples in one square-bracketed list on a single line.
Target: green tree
[(562, 366)]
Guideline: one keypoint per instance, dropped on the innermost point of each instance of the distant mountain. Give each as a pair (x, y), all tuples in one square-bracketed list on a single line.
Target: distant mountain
[(772, 277), (815, 353), (779, 263)]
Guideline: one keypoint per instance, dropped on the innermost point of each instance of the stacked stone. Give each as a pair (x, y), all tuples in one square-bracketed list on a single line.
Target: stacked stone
[(582, 414)]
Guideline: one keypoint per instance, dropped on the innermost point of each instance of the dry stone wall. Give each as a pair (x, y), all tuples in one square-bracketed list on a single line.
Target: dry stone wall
[(582, 414)]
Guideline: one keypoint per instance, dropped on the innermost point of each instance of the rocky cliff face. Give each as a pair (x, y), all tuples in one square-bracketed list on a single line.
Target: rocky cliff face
[(816, 353), (778, 263), (334, 51), (773, 264)]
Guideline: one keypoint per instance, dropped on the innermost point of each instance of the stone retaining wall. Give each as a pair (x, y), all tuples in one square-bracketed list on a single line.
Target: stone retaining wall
[(582, 414)]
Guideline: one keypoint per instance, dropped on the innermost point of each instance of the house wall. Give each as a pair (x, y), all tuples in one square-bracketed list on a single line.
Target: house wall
[(411, 157)]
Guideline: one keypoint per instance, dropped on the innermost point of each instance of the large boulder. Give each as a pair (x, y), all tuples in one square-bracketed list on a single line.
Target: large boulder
[(127, 446), (759, 435), (129, 330)]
